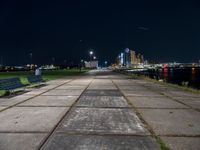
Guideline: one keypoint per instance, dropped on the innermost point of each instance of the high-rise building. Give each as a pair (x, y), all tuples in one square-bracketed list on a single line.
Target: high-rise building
[(129, 58), (133, 57)]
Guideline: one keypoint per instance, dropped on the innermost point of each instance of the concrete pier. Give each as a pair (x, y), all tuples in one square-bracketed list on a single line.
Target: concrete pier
[(101, 110)]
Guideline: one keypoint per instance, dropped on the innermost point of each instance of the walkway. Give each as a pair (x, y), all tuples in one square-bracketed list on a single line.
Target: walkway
[(100, 111)]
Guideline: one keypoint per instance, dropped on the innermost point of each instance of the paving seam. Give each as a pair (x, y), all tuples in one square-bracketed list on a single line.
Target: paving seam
[(24, 132), (160, 108), (34, 96), (89, 107), (178, 101), (41, 106), (98, 133), (45, 140), (145, 123), (102, 134), (179, 135), (162, 94)]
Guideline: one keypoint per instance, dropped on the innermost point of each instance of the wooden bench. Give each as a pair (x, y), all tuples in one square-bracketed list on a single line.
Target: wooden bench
[(35, 79), (11, 84)]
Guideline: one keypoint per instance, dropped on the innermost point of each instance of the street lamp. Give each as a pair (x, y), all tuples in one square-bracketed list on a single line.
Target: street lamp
[(94, 57), (91, 53), (106, 63)]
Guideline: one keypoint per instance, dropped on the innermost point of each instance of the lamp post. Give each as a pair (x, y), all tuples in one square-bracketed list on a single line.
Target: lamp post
[(91, 53), (31, 59), (81, 65), (106, 63)]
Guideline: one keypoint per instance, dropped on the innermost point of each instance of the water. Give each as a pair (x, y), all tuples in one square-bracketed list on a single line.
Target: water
[(188, 76)]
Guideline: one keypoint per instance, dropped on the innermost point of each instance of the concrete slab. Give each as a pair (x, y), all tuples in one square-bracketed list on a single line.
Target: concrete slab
[(102, 87), (48, 87), (140, 93), (173, 121), (135, 87), (107, 121), (80, 82), (36, 92), (50, 101), (30, 119), (14, 100), (159, 87), (58, 82), (123, 81), (182, 143), (193, 102), (20, 141), (102, 80), (155, 102), (64, 92), (102, 101), (102, 93), (181, 94), (102, 84), (71, 87), (92, 142), (125, 84)]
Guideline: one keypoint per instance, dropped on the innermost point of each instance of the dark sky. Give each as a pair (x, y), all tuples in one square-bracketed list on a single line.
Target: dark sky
[(162, 30)]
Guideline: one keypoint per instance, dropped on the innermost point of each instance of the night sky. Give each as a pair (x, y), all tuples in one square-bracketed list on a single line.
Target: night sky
[(66, 30)]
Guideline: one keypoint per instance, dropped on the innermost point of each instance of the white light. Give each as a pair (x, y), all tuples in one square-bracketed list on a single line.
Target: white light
[(94, 57), (91, 52)]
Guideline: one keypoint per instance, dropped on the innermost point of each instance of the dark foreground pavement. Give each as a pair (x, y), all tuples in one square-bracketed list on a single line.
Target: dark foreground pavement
[(100, 111)]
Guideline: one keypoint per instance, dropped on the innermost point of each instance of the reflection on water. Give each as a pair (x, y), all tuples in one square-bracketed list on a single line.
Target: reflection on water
[(165, 70), (193, 74)]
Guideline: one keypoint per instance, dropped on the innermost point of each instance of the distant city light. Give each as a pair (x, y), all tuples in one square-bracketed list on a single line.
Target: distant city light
[(122, 59), (94, 57), (126, 50)]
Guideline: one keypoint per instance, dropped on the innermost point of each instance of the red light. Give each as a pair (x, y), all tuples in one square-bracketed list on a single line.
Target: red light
[(165, 66)]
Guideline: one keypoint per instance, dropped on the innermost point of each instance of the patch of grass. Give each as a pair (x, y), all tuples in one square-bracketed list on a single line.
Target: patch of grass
[(162, 144), (51, 75), (46, 75)]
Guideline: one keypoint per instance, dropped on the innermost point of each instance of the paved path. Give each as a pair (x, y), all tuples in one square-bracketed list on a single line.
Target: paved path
[(100, 111)]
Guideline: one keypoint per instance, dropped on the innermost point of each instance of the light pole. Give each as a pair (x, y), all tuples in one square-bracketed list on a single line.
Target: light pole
[(91, 53), (81, 64), (106, 63), (31, 59)]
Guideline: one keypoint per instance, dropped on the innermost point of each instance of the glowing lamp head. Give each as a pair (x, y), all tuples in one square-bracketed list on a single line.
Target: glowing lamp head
[(91, 52)]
